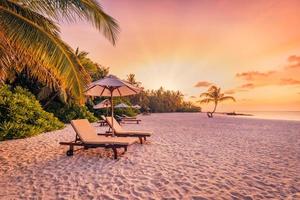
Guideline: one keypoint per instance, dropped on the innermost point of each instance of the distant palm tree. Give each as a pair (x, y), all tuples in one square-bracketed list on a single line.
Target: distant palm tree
[(29, 38), (214, 95), (131, 79)]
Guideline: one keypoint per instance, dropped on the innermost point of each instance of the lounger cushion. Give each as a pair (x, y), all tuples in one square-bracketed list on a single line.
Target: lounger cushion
[(119, 130), (88, 135), (144, 133)]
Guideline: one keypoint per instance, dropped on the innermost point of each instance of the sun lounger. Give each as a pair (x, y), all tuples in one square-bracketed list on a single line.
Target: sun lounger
[(127, 119), (120, 132), (102, 122), (87, 137)]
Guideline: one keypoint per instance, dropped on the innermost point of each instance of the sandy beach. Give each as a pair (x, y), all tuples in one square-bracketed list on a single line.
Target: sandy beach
[(188, 157)]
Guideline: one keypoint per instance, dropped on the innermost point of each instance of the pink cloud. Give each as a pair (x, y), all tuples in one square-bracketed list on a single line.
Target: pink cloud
[(290, 81), (252, 75), (294, 62), (248, 86), (287, 75), (203, 84)]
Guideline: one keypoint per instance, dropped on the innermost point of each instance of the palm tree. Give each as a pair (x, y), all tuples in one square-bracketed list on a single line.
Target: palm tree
[(214, 95), (29, 38), (131, 79)]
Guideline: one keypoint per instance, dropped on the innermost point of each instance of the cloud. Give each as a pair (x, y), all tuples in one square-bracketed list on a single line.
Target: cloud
[(203, 84), (252, 75), (290, 81), (284, 76), (231, 91), (248, 86), (236, 90), (294, 62)]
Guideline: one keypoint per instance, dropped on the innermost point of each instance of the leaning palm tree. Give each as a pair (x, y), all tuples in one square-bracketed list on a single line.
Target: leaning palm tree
[(214, 95), (29, 38)]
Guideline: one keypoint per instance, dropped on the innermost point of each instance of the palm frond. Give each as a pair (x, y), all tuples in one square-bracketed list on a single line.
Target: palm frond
[(206, 100), (226, 98), (6, 54), (72, 10), (213, 88), (206, 94), (42, 42)]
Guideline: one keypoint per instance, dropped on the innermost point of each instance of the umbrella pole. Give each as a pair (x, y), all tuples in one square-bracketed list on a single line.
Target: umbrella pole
[(112, 112)]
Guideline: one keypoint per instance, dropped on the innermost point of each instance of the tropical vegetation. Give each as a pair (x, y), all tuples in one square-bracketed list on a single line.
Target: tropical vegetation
[(160, 100), (21, 115), (214, 95), (33, 55), (30, 42)]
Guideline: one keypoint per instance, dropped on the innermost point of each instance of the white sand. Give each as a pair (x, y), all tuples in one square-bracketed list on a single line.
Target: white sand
[(188, 157)]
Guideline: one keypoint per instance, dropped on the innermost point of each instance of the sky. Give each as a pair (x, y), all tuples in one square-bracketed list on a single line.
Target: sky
[(251, 49)]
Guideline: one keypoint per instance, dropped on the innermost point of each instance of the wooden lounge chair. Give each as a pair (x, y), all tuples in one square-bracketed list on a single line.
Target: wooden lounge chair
[(87, 137), (120, 132), (102, 122), (123, 119), (127, 117)]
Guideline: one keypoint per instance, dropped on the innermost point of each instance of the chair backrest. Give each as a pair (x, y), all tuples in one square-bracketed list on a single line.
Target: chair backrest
[(84, 130), (116, 126), (103, 117)]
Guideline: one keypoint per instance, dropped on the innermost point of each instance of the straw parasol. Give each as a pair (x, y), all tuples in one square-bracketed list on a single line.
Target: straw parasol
[(103, 104), (122, 105), (111, 86), (137, 107)]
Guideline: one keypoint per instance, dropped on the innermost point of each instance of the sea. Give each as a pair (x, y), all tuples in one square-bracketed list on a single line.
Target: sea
[(280, 115)]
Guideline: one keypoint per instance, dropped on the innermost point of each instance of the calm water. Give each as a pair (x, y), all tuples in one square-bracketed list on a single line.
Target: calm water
[(283, 115)]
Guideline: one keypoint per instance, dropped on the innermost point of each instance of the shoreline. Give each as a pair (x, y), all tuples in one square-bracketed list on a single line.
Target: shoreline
[(249, 115)]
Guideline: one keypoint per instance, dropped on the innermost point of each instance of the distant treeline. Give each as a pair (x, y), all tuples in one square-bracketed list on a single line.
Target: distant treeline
[(160, 100)]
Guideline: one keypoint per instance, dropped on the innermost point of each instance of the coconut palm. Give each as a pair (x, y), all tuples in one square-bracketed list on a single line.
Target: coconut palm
[(214, 95), (29, 38)]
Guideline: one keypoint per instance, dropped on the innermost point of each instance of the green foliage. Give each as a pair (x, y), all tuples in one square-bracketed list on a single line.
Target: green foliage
[(66, 113), (162, 100), (95, 70), (127, 111), (22, 116), (30, 40)]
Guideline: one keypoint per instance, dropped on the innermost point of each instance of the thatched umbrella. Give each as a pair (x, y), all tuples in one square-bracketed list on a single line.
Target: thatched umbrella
[(122, 105), (103, 104), (111, 86)]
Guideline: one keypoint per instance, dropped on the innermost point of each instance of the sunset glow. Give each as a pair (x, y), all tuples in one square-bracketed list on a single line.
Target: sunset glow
[(250, 49)]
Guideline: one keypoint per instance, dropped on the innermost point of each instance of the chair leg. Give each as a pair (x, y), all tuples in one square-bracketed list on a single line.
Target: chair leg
[(141, 140), (125, 149), (145, 138), (70, 152), (115, 152)]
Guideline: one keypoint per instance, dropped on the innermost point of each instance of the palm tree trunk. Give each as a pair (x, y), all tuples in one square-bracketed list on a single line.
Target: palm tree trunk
[(215, 108), (210, 114), (50, 100)]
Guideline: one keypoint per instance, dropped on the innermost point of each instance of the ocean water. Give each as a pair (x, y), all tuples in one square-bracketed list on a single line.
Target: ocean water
[(282, 115)]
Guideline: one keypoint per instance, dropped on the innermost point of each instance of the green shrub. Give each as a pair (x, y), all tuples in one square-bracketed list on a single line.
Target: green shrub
[(66, 113), (21, 115)]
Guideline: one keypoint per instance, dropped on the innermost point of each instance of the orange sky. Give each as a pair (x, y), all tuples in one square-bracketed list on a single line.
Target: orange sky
[(249, 49)]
